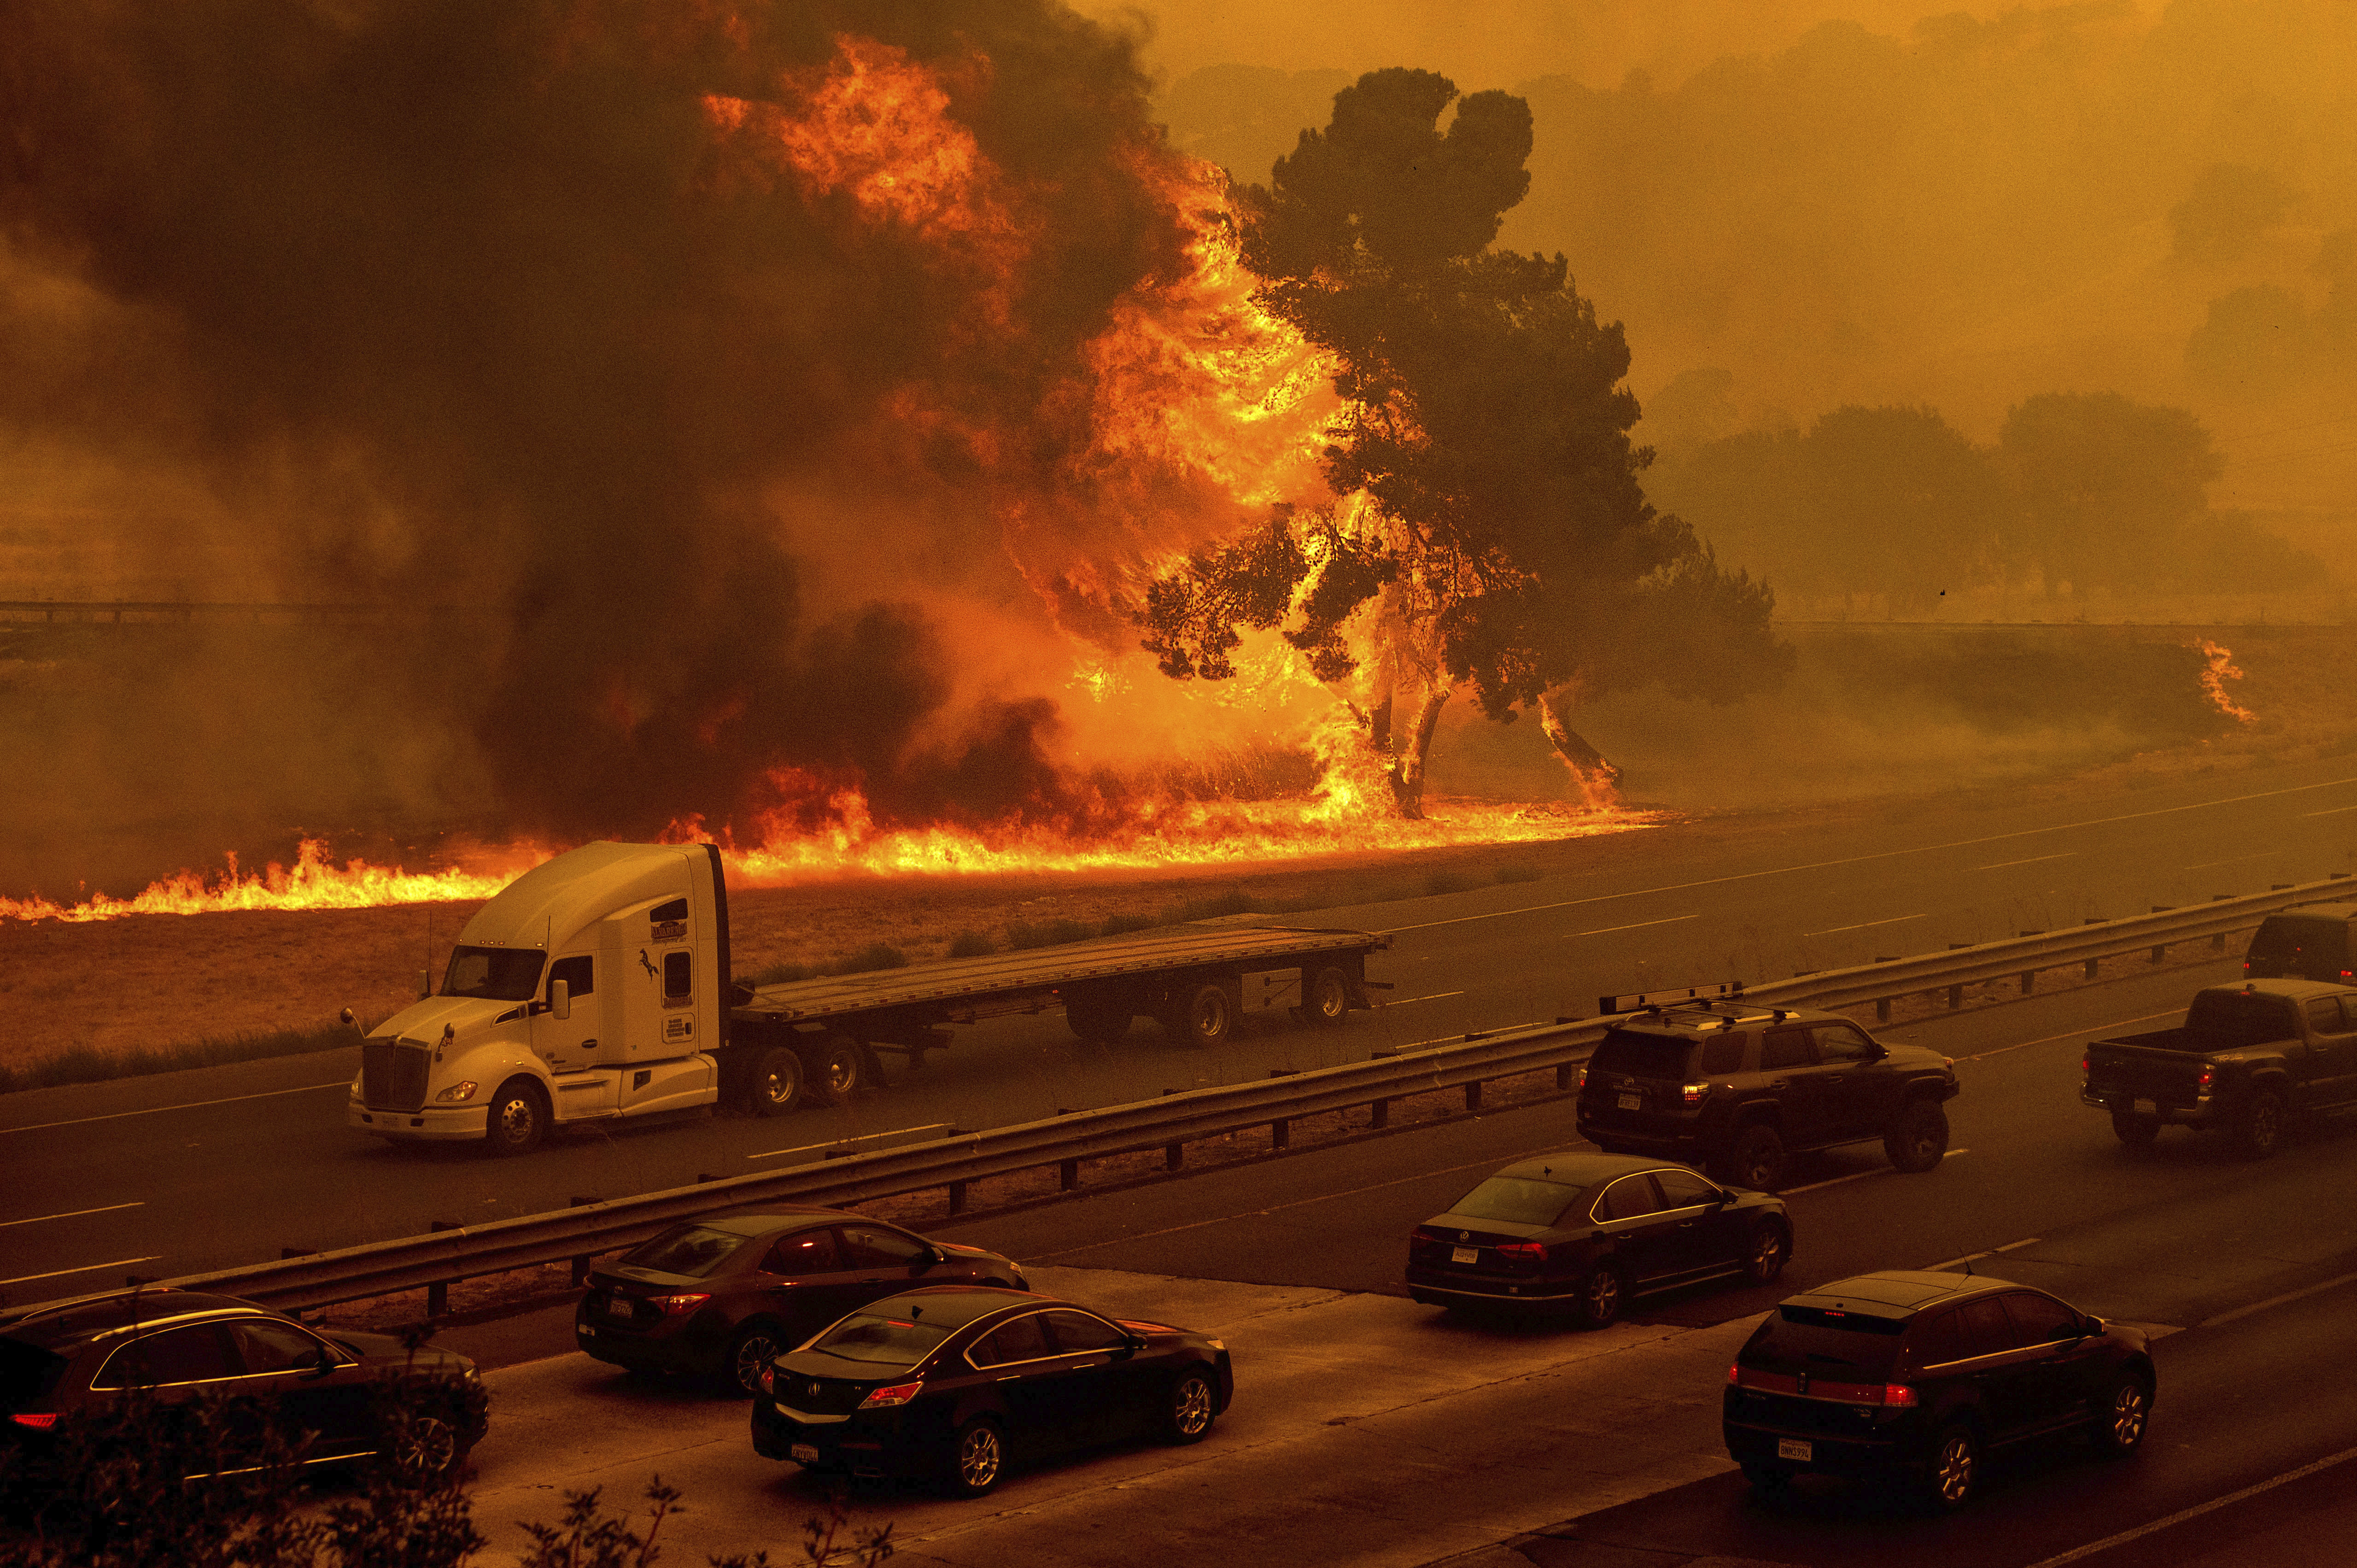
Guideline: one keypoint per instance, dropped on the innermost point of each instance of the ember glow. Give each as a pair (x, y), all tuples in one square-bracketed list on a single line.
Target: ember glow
[(2222, 668)]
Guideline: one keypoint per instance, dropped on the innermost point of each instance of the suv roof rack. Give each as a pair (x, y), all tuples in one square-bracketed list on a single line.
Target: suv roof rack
[(1723, 1000)]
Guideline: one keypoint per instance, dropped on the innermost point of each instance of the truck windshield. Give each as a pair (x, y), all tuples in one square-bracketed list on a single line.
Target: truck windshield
[(2230, 1020), (494, 974)]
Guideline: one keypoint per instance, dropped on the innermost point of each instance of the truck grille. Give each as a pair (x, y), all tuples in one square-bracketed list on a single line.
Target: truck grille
[(392, 1075)]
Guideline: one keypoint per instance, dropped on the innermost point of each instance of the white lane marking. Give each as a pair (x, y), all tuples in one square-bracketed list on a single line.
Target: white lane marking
[(191, 1105), (2033, 860), (1607, 930), (2333, 813), (1879, 854), (1865, 925), (75, 1213), (2236, 860), (846, 1142), (1976, 1257), (2090, 1029), (1435, 996), (1858, 1175), (85, 1269), (2275, 1301), (2124, 1537)]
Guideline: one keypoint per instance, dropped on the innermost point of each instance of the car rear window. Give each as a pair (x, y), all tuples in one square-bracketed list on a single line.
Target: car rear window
[(2323, 937), (885, 1341), (692, 1250), (2232, 1019), (1843, 1346), (27, 1373), (1634, 1055), (1518, 1200)]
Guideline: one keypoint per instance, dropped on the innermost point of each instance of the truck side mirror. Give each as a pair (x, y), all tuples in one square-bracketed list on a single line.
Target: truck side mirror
[(560, 998), (425, 983)]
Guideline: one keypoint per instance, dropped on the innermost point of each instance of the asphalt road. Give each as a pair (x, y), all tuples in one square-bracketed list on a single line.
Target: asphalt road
[(197, 1170)]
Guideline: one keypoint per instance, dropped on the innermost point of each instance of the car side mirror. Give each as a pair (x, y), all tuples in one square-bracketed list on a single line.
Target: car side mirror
[(931, 1255), (319, 1364), (560, 998), (1131, 1344)]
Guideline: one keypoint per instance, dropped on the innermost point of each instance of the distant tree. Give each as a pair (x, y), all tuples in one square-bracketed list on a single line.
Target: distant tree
[(2105, 487), (2230, 207), (2255, 342), (1493, 534)]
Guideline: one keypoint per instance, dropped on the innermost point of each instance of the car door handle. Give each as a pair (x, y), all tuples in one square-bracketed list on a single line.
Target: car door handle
[(1779, 1082), (1836, 1077)]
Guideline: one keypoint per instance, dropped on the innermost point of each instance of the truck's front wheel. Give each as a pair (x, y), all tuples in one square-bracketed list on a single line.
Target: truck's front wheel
[(518, 1118)]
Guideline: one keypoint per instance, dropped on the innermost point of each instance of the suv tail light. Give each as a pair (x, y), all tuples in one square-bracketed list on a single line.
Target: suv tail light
[(1694, 1092), (1583, 1078), (883, 1398), (40, 1421), (2209, 1078), (672, 1305)]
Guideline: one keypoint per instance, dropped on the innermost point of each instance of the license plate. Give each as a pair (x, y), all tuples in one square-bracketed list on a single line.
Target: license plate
[(587, 1332), (1632, 1103), (808, 1454), (1464, 1254), (2146, 1108), (1794, 1448)]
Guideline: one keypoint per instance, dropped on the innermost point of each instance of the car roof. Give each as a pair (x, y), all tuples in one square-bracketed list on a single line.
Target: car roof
[(958, 1306), (1688, 1019), (51, 1323), (2337, 910), (1576, 1168), (1896, 1293), (2290, 987), (762, 1224)]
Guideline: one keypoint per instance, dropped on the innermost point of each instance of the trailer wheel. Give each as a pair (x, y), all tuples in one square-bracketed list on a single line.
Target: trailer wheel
[(1204, 1018), (774, 1084), (1326, 1000), (837, 1070)]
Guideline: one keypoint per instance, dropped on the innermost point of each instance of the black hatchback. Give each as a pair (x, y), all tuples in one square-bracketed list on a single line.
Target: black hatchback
[(953, 1384), (1588, 1232), (1918, 1375), (719, 1298)]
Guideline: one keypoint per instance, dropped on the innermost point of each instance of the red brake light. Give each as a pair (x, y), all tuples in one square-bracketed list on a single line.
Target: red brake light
[(1898, 1396), (671, 1306), (770, 1381), (2087, 1061), (899, 1393), (2208, 1076), (1694, 1092), (40, 1421), (1583, 1078), (1530, 1252), (1734, 1375)]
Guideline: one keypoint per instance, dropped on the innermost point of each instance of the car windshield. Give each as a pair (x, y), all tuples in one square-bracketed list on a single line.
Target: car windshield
[(2230, 1020), (1518, 1200), (1633, 1055), (697, 1249), (494, 974), (886, 1341), (1844, 1347), (27, 1373)]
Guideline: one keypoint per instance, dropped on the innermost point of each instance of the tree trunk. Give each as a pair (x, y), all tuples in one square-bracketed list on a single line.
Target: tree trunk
[(1595, 779), (1407, 768)]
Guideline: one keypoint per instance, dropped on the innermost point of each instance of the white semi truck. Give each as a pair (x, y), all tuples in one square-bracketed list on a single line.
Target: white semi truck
[(596, 987)]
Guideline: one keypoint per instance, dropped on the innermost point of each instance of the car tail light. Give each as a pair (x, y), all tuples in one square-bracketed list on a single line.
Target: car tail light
[(2209, 1078), (1583, 1078), (2086, 1062), (770, 1381), (672, 1306), (40, 1421), (1694, 1092), (1734, 1374), (1522, 1252), (1898, 1396), (899, 1393)]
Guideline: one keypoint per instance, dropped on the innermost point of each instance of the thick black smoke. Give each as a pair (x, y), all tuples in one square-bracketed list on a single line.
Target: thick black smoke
[(474, 306)]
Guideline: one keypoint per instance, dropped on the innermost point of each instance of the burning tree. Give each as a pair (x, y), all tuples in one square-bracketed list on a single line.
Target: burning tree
[(1490, 532)]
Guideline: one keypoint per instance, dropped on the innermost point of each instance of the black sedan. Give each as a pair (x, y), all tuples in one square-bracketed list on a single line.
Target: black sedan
[(1588, 1232), (66, 1359), (952, 1384), (1915, 1375), (719, 1298)]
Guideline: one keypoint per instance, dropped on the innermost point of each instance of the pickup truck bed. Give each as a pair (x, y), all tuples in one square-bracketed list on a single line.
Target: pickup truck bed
[(2247, 1057)]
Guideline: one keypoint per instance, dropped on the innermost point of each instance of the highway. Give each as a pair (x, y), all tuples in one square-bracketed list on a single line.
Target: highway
[(196, 1170)]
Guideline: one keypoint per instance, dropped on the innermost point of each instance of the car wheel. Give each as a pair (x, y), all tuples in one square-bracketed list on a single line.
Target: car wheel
[(1601, 1296), (1187, 1414), (518, 1118), (2260, 1127), (775, 1084), (749, 1355), (2134, 1131), (1325, 1000), (837, 1070), (2122, 1418), (1756, 1161), (1764, 1259), (1955, 1469), (1204, 1018), (426, 1449), (976, 1458), (1918, 1138), (1768, 1483)]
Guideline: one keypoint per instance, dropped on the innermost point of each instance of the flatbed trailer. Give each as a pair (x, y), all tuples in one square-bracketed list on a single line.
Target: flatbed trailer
[(1195, 981)]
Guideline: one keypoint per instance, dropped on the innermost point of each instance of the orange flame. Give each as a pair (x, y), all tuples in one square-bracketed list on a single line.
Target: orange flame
[(2220, 670), (312, 882)]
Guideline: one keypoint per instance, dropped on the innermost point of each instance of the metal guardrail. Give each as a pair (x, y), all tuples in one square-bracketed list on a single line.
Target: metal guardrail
[(385, 1268)]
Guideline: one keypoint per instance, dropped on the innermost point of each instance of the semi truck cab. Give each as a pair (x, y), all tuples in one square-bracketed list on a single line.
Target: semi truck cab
[(593, 987)]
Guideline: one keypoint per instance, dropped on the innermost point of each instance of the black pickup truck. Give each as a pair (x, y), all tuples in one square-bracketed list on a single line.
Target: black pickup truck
[(2247, 1057)]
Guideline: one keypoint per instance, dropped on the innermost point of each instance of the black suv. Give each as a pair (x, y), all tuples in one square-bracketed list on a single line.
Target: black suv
[(1734, 1088), (1918, 1374), (2306, 941)]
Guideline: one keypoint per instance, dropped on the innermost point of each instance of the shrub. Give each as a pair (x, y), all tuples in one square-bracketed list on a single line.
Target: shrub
[(971, 944)]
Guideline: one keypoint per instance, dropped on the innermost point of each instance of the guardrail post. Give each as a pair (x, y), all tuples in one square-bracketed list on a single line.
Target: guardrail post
[(1473, 1096), (2159, 951), (1068, 1174), (1566, 1074), (1882, 1010), (957, 1199), (1174, 1155), (581, 1264), (1382, 1117), (1955, 997), (1280, 1133), (2029, 979), (2093, 965), (437, 1294)]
